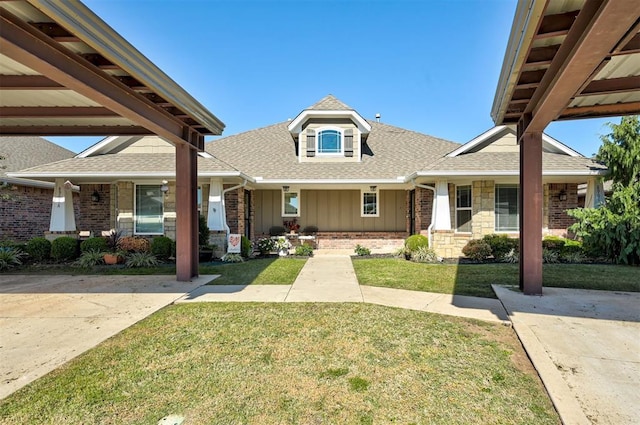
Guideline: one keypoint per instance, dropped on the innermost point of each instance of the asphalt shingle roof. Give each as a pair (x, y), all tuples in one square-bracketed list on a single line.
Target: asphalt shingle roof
[(24, 152), (330, 103)]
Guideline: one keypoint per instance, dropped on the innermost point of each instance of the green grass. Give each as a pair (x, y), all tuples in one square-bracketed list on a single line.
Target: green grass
[(266, 271), (250, 363), (476, 279)]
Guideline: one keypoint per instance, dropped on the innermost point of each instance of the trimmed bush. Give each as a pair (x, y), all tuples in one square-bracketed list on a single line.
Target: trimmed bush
[(414, 242), (162, 247), (361, 250), (553, 243), (39, 249), (304, 250), (477, 250), (98, 244), (310, 230), (203, 231), (245, 247), (134, 244), (64, 248), (501, 245), (276, 231)]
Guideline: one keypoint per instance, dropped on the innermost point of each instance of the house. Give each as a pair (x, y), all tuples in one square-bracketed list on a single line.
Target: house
[(25, 204), (358, 181)]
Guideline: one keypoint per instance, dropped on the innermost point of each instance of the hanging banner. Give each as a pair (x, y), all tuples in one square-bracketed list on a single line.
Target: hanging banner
[(234, 243)]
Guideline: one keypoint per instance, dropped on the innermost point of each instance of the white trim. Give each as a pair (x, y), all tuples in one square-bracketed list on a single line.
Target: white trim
[(297, 192), (454, 173), (330, 154), (560, 146), (400, 181), (295, 126), (367, 191)]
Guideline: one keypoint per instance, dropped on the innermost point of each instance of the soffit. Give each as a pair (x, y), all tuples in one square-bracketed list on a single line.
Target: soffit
[(570, 59), (64, 71)]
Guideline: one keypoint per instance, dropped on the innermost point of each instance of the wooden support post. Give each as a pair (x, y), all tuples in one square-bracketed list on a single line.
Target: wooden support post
[(531, 213), (186, 213)]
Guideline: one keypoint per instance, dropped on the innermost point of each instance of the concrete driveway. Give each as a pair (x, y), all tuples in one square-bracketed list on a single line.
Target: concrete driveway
[(585, 346), (47, 320)]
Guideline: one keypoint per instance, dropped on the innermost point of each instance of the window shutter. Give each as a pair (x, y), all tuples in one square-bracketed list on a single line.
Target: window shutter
[(311, 142), (348, 142)]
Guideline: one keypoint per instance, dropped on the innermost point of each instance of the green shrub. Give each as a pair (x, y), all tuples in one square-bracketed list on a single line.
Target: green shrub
[(424, 254), (402, 252), (162, 247), (39, 249), (511, 257), (550, 256), (232, 258), (64, 248), (310, 230), (246, 248), (304, 250), (571, 246), (134, 244), (361, 250), (414, 242), (501, 245), (573, 257), (89, 259), (477, 250), (276, 231), (203, 231), (98, 244), (10, 257), (553, 243), (141, 259), (265, 245)]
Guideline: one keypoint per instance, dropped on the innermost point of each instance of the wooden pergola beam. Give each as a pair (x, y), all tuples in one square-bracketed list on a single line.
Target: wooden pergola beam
[(612, 85), (29, 82), (73, 130), (55, 111), (601, 111)]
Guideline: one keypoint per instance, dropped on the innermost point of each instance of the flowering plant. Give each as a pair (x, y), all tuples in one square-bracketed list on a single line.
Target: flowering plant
[(291, 225), (282, 244)]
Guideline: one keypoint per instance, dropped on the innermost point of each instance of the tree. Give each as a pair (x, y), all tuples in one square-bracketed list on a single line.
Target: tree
[(620, 151)]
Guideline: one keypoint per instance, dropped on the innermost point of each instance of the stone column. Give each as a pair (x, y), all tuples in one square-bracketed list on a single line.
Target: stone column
[(62, 215)]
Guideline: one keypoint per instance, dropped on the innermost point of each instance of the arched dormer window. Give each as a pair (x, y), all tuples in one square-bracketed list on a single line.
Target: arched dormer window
[(329, 141)]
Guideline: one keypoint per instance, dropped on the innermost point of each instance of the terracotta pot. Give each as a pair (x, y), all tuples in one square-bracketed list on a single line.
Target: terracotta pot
[(112, 258)]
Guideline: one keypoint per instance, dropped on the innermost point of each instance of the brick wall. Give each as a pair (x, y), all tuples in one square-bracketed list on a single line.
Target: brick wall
[(27, 212), (373, 240), (232, 209), (423, 209), (559, 220), (94, 216)]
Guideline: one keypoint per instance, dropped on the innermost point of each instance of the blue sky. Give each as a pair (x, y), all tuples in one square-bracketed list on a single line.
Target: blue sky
[(428, 66)]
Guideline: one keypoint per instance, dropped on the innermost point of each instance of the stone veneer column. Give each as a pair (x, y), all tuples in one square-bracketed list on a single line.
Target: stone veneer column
[(483, 208)]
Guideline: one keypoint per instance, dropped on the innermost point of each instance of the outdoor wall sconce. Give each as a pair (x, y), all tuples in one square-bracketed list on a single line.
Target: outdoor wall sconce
[(373, 188), (95, 196), (165, 187), (285, 188), (562, 195)]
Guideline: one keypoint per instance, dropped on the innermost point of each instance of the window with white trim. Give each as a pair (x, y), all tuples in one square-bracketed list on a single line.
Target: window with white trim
[(506, 208), (463, 208), (291, 203), (369, 203), (329, 142), (149, 210)]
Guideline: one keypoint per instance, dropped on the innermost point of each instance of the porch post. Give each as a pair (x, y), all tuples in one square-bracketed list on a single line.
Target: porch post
[(62, 215), (595, 193), (530, 207), (443, 214), (215, 214), (186, 213)]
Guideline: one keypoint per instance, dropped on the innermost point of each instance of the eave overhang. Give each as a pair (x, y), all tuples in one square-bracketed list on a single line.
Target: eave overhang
[(295, 126)]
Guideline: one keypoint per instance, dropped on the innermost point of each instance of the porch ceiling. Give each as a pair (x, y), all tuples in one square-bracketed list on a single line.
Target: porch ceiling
[(569, 59), (64, 71)]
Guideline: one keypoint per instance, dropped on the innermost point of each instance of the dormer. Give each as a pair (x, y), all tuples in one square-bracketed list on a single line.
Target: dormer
[(329, 131)]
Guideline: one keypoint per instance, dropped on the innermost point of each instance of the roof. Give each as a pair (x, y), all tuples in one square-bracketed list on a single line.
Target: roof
[(389, 152), (569, 59), (125, 165), (329, 107), (65, 72), (330, 103)]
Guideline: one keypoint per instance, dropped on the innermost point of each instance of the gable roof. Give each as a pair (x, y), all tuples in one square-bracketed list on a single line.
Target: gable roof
[(329, 107), (388, 153), (330, 103)]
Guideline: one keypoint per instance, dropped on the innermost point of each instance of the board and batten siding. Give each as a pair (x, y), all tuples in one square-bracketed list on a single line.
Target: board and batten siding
[(332, 211)]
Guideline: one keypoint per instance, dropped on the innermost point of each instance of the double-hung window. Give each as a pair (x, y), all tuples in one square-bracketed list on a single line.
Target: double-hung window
[(506, 208), (149, 210), (370, 203), (291, 203), (329, 142), (463, 208)]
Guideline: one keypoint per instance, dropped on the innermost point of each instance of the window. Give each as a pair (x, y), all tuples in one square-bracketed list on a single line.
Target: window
[(506, 208), (291, 203), (329, 142), (463, 208), (149, 208), (370, 206)]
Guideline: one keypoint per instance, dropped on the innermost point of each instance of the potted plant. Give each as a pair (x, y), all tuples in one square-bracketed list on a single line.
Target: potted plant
[(282, 245), (114, 255), (292, 225)]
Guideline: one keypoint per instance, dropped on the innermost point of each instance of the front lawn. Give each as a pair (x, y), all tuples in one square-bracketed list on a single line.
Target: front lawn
[(476, 279), (264, 271), (251, 363)]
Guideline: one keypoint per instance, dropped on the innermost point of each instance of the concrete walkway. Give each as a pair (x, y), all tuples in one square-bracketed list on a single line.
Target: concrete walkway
[(585, 346)]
